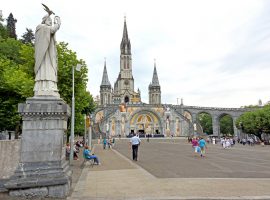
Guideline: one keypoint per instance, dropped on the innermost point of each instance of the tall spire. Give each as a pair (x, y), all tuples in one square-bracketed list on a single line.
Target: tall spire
[(125, 44), (155, 81), (105, 79), (154, 88)]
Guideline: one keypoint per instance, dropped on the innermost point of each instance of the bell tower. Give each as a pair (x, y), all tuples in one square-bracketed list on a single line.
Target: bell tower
[(124, 86), (127, 81)]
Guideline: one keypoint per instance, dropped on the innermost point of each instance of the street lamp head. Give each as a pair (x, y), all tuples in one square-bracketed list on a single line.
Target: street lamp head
[(78, 67)]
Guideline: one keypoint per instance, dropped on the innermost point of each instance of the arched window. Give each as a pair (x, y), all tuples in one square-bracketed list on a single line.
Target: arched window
[(125, 62), (126, 99), (127, 67)]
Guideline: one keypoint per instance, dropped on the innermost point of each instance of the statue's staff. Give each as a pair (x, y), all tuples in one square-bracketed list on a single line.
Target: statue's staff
[(47, 9)]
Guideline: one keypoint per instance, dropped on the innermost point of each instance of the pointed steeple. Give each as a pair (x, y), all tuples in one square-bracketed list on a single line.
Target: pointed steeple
[(125, 44), (155, 81), (154, 88), (105, 79)]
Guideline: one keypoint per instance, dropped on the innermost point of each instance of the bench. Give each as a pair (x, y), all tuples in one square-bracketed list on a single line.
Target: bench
[(85, 159)]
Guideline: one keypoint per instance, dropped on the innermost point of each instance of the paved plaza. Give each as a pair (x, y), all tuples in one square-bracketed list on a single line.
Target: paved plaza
[(175, 159), (168, 169)]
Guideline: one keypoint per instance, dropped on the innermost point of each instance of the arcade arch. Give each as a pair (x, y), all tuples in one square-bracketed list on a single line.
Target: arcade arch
[(205, 120), (226, 125), (188, 115)]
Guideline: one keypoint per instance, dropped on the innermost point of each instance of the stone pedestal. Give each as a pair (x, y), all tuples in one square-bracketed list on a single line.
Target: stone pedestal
[(43, 170)]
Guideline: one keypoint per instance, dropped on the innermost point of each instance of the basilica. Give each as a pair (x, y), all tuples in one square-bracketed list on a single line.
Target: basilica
[(121, 112), (123, 90)]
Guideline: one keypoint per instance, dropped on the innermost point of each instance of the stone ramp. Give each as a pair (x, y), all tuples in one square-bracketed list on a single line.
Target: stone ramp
[(120, 178)]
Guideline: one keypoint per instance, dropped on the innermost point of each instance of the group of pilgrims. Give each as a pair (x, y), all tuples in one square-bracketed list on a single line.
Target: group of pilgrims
[(199, 144), (227, 142)]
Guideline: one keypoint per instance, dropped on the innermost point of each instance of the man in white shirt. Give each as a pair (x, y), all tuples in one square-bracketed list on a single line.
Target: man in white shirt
[(135, 142)]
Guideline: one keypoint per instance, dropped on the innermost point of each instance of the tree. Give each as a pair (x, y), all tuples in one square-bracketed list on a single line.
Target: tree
[(226, 125), (3, 32), (3, 29), (1, 16), (11, 26), (205, 120), (28, 37), (84, 103), (27, 59), (10, 49), (255, 122), (15, 86)]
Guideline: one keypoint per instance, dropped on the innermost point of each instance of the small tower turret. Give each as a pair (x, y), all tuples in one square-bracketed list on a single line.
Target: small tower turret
[(105, 88), (154, 88)]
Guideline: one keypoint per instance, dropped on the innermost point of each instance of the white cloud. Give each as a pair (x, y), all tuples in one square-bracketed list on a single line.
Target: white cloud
[(211, 53)]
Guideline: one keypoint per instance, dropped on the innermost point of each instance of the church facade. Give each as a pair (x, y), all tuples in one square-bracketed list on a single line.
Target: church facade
[(121, 112), (123, 90)]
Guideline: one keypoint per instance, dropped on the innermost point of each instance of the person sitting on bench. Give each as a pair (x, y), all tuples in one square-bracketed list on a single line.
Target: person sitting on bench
[(87, 154)]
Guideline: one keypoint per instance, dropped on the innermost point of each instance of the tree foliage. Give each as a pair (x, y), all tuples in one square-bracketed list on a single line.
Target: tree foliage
[(15, 86), (205, 120), (84, 103), (255, 122), (3, 32), (28, 37), (226, 125), (11, 26), (10, 49)]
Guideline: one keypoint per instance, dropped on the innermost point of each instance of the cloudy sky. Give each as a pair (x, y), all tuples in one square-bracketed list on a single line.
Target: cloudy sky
[(211, 53)]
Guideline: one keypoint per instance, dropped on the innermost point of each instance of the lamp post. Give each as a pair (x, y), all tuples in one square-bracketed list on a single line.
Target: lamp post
[(107, 130), (242, 130), (85, 129), (90, 132), (78, 68)]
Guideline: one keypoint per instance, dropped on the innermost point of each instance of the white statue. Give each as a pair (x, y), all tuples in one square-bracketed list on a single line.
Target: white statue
[(122, 126), (167, 124), (195, 126), (46, 56)]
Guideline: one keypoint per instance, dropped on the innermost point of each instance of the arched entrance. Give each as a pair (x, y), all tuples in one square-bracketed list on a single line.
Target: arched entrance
[(145, 122), (126, 99)]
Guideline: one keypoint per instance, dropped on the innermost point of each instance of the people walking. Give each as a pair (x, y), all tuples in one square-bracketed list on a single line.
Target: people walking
[(113, 142), (148, 137), (194, 142), (202, 145), (109, 143), (104, 143), (195, 146), (134, 144)]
